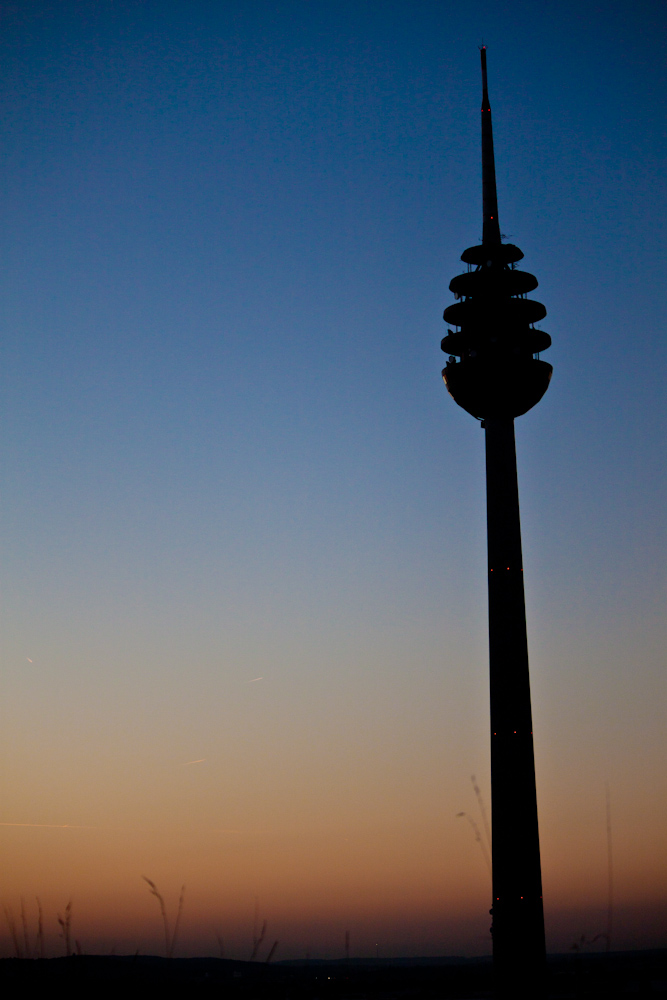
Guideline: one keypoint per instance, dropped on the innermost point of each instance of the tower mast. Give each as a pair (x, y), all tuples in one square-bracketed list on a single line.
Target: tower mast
[(491, 227), (494, 372)]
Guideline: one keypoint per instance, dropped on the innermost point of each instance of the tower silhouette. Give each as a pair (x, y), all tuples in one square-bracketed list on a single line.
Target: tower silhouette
[(494, 372)]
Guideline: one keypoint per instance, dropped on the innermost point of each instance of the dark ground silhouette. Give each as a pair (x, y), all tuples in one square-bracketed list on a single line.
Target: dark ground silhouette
[(620, 974)]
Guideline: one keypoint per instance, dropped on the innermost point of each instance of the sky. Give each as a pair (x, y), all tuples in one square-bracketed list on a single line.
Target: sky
[(242, 525)]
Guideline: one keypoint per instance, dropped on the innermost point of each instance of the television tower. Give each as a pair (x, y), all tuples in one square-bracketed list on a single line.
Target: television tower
[(494, 372)]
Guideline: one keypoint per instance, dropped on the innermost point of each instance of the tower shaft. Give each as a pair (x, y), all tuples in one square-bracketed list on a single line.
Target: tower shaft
[(518, 918)]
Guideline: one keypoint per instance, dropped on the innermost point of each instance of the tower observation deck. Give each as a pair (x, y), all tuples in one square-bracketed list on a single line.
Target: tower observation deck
[(495, 373)]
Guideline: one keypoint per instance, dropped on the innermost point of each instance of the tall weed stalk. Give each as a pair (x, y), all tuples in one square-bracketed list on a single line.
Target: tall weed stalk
[(66, 926), (169, 939)]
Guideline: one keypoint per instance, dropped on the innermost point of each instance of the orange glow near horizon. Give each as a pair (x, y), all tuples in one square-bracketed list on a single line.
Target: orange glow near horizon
[(413, 878), (331, 796)]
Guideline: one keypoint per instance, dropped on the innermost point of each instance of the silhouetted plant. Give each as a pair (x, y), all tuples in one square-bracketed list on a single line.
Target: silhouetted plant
[(480, 803), (257, 937), (581, 943), (271, 952), (39, 944), (11, 924), (23, 948), (478, 838), (66, 923), (257, 941), (221, 944), (177, 924), (484, 847), (24, 922), (169, 941)]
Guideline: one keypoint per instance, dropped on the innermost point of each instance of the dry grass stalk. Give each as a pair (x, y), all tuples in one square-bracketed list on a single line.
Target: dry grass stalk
[(66, 923), (610, 873), (169, 940), (11, 923), (271, 952), (478, 838), (257, 941), (480, 803), (221, 944), (163, 911), (24, 922), (178, 921), (39, 944)]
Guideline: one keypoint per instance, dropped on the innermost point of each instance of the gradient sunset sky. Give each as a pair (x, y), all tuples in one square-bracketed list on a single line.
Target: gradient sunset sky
[(243, 563)]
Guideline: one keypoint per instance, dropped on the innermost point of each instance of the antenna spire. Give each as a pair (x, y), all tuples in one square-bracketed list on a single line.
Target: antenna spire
[(491, 229)]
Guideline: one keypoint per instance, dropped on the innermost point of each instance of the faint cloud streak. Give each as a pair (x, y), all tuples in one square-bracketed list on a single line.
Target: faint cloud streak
[(52, 826)]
